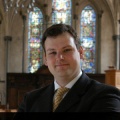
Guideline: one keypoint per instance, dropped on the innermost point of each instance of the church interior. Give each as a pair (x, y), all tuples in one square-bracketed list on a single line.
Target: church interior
[(22, 23)]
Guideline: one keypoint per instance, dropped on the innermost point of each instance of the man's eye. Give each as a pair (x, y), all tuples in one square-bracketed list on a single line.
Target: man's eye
[(66, 50), (52, 53)]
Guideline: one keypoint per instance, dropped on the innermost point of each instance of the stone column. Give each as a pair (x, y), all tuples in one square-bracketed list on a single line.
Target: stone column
[(7, 40), (98, 45), (23, 42), (117, 39)]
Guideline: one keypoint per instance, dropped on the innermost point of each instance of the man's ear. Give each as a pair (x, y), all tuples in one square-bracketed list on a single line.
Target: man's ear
[(44, 59), (45, 62), (81, 51)]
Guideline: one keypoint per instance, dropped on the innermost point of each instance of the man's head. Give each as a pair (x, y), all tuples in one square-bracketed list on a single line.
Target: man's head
[(62, 56), (58, 29)]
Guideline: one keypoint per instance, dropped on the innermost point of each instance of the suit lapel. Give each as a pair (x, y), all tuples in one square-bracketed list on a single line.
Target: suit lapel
[(46, 99), (75, 94)]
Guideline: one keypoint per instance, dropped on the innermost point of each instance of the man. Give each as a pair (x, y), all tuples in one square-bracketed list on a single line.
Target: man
[(62, 56)]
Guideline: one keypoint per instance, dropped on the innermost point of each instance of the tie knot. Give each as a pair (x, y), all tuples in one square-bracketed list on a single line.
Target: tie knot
[(62, 90)]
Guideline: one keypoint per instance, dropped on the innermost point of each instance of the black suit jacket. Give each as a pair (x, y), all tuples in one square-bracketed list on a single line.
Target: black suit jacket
[(87, 95)]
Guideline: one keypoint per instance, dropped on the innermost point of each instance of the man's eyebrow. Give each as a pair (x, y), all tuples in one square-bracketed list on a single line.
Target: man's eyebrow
[(68, 46), (50, 49)]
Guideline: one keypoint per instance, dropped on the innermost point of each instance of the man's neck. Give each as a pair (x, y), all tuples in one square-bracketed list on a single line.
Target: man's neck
[(63, 81)]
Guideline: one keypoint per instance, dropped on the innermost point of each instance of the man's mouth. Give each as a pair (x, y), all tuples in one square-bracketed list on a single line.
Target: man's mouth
[(61, 65)]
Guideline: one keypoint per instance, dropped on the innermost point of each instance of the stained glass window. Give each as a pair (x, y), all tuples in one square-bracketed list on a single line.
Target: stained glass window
[(34, 37), (88, 39), (61, 11)]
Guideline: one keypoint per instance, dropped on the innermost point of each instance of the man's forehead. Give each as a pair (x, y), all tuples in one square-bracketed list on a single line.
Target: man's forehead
[(55, 48)]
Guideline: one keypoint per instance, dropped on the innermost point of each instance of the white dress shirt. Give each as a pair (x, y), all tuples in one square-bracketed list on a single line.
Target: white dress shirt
[(70, 84)]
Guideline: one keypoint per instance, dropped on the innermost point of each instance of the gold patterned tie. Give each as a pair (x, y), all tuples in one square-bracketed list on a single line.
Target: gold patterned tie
[(58, 96)]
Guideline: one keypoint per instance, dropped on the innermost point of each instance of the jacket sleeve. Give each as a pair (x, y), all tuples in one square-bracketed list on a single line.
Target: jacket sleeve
[(107, 101)]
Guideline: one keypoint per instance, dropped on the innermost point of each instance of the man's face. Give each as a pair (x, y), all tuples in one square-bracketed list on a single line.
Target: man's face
[(62, 56)]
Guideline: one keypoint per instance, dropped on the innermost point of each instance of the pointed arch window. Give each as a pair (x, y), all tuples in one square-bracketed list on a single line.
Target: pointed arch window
[(88, 39), (61, 11), (35, 23)]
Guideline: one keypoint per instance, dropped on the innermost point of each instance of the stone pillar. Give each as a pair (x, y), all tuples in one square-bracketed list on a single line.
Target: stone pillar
[(117, 39), (117, 36), (23, 42), (7, 40), (98, 45)]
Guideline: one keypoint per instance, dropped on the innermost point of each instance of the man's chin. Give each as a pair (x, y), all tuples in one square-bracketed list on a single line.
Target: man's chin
[(62, 73)]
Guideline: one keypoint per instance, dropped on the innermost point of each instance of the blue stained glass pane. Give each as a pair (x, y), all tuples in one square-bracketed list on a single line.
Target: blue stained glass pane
[(88, 38), (61, 11), (34, 38)]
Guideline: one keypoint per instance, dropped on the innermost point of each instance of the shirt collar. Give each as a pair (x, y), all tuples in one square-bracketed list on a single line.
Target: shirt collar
[(71, 83)]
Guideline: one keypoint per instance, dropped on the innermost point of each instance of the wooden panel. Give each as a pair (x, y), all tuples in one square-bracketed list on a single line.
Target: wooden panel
[(99, 77), (112, 77), (20, 83)]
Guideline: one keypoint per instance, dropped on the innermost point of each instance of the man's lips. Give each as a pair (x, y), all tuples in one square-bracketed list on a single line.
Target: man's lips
[(60, 65)]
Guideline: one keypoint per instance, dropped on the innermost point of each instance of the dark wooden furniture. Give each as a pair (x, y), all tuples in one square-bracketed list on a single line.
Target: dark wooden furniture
[(112, 77), (98, 76), (20, 83)]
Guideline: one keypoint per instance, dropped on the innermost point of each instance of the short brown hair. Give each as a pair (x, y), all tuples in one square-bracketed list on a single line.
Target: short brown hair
[(57, 29)]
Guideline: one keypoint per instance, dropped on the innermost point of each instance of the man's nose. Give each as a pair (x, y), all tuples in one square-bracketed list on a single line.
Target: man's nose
[(59, 56)]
